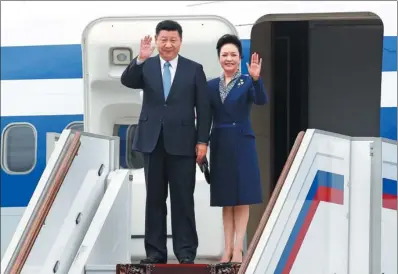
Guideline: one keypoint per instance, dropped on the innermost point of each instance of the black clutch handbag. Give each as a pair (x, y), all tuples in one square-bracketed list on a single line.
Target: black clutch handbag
[(204, 167)]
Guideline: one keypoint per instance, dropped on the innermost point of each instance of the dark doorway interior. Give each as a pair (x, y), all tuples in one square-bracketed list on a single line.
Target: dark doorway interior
[(290, 86), (320, 72), (326, 75)]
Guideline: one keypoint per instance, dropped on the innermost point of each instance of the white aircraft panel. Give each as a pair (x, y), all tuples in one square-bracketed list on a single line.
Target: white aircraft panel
[(76, 223), (389, 208), (107, 239)]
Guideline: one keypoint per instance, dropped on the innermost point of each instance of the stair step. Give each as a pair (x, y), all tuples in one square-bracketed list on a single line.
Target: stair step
[(177, 269)]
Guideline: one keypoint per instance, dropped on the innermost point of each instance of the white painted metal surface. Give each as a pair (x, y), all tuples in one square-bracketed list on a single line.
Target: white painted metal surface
[(95, 151), (51, 140), (76, 223), (318, 152), (389, 231), (107, 239), (353, 235), (360, 201), (10, 218)]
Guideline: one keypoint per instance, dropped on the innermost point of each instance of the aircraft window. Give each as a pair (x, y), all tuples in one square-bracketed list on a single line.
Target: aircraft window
[(79, 126), (19, 148), (128, 158), (135, 160)]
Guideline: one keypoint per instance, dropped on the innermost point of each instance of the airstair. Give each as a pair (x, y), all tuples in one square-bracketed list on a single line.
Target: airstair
[(334, 210)]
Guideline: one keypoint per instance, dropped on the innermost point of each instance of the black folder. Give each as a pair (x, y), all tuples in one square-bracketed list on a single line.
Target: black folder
[(204, 167)]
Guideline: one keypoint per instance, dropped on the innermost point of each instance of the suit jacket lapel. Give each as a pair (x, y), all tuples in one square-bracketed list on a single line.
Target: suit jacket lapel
[(157, 82), (179, 75)]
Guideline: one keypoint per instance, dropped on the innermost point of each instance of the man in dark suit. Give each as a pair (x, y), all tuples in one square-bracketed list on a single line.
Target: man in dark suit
[(173, 87)]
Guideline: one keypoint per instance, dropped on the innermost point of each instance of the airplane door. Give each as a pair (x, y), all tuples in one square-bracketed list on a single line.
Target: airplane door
[(321, 71), (108, 46)]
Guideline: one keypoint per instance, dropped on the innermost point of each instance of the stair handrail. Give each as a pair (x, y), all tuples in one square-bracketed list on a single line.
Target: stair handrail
[(271, 203), (27, 241)]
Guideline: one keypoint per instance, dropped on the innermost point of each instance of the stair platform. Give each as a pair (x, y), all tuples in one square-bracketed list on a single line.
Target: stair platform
[(177, 268)]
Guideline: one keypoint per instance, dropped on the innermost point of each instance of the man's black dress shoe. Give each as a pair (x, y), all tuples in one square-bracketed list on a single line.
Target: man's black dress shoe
[(186, 261), (153, 261)]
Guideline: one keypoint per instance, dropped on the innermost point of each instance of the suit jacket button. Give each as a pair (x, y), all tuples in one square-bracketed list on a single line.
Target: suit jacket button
[(165, 105)]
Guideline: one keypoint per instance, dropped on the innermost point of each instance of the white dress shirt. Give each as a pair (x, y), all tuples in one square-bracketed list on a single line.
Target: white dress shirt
[(173, 66)]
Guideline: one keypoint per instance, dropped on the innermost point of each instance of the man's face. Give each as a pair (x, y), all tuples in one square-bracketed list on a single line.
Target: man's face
[(168, 44)]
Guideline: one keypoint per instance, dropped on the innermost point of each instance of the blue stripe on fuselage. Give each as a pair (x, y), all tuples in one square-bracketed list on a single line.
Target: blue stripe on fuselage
[(41, 62), (388, 123), (65, 61), (16, 190)]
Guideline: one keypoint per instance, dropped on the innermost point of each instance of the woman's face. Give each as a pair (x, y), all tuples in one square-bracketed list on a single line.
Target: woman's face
[(229, 58)]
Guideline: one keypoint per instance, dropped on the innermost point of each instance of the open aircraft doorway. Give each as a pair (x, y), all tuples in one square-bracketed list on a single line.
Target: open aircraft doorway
[(321, 71), (111, 109)]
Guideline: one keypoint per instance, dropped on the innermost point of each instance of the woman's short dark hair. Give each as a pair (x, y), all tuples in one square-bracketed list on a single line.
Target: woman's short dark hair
[(229, 39)]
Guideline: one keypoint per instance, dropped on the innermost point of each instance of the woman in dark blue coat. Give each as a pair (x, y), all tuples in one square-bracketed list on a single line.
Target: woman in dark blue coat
[(234, 172)]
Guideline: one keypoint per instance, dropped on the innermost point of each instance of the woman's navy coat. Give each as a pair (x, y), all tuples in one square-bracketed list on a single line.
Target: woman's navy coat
[(234, 171)]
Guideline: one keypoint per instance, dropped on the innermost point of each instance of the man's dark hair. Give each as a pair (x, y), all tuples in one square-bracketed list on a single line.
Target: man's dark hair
[(169, 25), (229, 39)]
